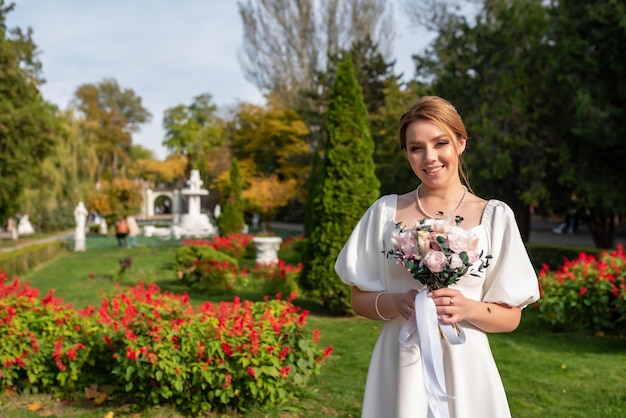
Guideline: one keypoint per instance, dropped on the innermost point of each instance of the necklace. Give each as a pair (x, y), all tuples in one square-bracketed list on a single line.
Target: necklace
[(440, 215)]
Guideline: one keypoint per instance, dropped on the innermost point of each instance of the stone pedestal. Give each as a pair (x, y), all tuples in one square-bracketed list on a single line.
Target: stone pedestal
[(267, 249)]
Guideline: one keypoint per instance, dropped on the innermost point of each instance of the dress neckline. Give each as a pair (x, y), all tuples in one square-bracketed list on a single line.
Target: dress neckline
[(394, 199)]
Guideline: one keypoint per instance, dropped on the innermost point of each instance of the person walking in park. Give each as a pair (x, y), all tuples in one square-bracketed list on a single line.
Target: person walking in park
[(133, 230), (416, 369), (121, 231)]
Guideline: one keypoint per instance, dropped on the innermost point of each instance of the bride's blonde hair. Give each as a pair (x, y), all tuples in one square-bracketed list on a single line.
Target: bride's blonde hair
[(444, 115)]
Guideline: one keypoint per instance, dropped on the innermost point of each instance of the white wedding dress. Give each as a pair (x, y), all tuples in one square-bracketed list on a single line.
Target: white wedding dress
[(395, 382)]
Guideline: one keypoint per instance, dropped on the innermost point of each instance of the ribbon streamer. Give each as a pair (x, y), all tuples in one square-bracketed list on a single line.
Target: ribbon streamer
[(423, 328)]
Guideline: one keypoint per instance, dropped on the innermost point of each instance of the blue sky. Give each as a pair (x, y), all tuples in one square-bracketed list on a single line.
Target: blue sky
[(167, 51)]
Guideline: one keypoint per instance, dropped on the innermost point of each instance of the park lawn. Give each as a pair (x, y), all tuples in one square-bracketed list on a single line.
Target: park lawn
[(546, 374)]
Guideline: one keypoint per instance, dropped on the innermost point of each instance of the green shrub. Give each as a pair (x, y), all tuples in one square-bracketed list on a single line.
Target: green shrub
[(22, 260), (152, 348)]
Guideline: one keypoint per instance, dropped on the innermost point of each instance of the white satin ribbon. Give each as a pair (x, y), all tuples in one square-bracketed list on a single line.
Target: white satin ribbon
[(423, 328)]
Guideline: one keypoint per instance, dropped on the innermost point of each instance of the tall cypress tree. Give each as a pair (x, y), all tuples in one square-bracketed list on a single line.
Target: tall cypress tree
[(231, 219), (349, 187)]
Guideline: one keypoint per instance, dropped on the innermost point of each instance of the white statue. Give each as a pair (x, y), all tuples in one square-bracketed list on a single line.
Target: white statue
[(24, 227), (217, 211), (80, 217)]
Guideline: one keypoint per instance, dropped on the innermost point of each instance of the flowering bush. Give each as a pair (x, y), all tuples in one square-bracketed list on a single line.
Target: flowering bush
[(436, 253), (235, 245), (203, 267), (587, 293), (273, 278), (152, 347)]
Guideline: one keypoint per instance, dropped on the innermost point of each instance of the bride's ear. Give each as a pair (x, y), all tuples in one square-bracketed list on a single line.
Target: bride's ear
[(462, 145)]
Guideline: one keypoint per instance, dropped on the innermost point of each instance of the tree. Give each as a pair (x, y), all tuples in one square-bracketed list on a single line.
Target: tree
[(589, 63), (116, 199), (65, 177), (286, 42), (349, 187), (272, 139), (266, 195), (373, 73), (112, 114), (28, 125), (193, 130), (231, 219)]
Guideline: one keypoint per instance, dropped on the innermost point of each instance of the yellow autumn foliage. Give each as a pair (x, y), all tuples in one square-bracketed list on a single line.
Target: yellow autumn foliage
[(167, 171), (120, 197), (266, 195)]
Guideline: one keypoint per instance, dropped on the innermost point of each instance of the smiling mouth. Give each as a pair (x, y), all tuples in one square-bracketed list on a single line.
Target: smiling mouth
[(433, 170)]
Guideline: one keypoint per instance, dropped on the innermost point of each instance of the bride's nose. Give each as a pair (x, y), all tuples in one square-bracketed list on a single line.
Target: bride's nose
[(431, 154)]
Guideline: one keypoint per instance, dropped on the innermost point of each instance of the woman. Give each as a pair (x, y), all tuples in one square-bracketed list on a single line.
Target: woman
[(433, 137)]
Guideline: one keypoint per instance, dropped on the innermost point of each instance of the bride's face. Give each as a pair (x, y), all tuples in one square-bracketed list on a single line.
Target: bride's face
[(432, 153)]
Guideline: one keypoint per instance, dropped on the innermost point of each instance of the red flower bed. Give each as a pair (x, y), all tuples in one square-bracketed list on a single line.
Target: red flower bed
[(154, 348), (587, 293)]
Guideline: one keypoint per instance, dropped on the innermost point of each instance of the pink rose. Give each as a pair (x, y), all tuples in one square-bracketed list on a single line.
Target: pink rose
[(434, 261), (458, 244), (404, 241)]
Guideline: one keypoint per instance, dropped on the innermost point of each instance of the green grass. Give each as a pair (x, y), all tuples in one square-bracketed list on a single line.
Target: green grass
[(546, 374)]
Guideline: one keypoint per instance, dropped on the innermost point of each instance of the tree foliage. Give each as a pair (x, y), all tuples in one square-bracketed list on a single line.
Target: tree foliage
[(349, 187), (265, 195), (193, 130), (272, 140), (28, 125), (112, 114), (587, 76), (116, 198), (167, 171), (65, 177)]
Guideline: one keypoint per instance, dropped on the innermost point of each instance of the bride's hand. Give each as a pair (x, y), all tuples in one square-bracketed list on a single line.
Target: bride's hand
[(404, 303), (451, 305)]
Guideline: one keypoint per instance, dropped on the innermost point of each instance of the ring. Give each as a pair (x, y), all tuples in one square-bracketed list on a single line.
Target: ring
[(451, 301)]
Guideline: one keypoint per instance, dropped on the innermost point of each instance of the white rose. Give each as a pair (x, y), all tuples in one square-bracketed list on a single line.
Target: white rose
[(455, 262)]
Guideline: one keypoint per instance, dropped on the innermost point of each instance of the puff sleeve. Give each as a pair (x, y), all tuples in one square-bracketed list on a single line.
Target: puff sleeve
[(361, 261), (510, 277)]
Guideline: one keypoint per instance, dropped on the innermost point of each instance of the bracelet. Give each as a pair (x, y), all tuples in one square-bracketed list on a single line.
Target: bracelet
[(376, 307)]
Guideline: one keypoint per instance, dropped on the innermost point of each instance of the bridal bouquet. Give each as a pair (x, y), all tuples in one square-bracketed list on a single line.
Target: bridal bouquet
[(437, 253)]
